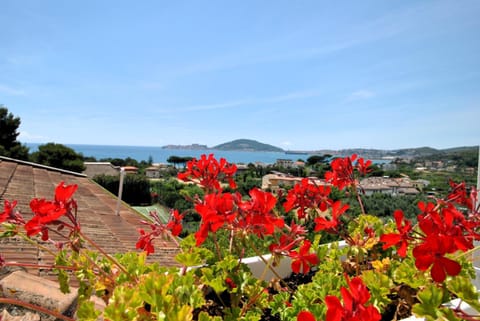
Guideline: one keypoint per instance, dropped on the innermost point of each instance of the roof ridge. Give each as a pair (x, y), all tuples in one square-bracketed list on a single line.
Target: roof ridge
[(18, 161)]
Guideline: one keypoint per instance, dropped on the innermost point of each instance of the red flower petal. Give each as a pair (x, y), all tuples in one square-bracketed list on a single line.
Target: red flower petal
[(334, 308), (305, 316)]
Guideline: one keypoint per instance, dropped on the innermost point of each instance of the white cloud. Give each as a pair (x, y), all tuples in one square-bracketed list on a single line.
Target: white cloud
[(25, 136), (360, 95), (217, 106), (294, 95)]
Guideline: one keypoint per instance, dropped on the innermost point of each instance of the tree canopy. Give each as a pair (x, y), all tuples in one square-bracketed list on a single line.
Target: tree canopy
[(9, 146), (175, 160), (59, 156)]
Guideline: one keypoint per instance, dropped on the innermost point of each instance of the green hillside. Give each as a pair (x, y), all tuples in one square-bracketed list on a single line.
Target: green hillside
[(248, 145)]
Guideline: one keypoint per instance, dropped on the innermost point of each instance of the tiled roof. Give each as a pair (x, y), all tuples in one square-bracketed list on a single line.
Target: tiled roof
[(23, 181)]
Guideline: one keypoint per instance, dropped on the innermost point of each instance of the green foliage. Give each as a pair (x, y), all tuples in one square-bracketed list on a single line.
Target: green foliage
[(379, 285), (124, 304), (59, 156), (177, 160), (315, 159), (136, 289), (431, 298), (465, 290), (87, 312), (384, 205), (63, 276), (9, 146), (247, 182), (174, 194), (136, 188), (157, 292)]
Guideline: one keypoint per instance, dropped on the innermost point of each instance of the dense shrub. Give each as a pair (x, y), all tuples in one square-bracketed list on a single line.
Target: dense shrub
[(174, 194), (136, 188)]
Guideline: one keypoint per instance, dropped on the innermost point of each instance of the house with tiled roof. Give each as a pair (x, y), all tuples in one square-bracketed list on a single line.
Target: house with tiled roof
[(97, 213), (100, 168), (387, 185), (277, 180)]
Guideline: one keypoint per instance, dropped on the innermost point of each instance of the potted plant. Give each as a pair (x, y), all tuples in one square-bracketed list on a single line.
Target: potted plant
[(374, 270)]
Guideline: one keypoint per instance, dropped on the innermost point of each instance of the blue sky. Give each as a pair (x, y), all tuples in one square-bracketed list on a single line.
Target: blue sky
[(301, 75)]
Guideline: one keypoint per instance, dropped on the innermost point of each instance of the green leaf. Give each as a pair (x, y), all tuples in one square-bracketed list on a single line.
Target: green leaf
[(430, 301), (189, 259), (123, 304), (463, 288), (86, 311), (406, 272), (204, 316), (63, 277), (379, 286), (214, 280)]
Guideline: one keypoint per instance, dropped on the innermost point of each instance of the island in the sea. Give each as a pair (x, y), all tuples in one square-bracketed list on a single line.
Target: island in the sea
[(186, 147)]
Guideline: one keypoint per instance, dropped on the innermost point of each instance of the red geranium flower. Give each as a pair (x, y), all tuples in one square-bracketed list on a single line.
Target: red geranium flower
[(216, 210), (33, 227), (47, 212), (363, 166), (7, 213), (303, 259), (305, 316), (231, 284), (354, 306), (175, 223), (432, 253), (331, 226), (306, 195), (400, 239), (289, 240), (209, 172), (286, 243), (460, 196), (64, 193), (145, 242), (342, 174), (257, 213)]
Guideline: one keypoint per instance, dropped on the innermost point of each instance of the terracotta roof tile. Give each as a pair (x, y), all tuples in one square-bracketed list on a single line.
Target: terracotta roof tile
[(23, 181)]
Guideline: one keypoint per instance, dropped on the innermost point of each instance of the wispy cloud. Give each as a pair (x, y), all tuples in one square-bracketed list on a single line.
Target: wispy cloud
[(224, 105), (295, 95), (286, 144), (8, 90), (27, 137), (21, 60), (360, 95), (280, 49)]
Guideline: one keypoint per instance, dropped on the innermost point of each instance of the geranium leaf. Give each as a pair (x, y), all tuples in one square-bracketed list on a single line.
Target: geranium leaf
[(430, 301)]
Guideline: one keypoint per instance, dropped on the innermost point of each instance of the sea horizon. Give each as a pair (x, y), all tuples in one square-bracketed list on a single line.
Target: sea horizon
[(160, 154)]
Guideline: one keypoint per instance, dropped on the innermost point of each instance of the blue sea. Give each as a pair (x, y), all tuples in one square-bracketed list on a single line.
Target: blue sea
[(160, 155)]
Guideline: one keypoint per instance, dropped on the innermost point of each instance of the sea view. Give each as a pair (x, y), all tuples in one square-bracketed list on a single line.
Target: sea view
[(160, 155)]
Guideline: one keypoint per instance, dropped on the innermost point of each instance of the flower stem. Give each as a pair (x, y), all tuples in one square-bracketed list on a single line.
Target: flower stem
[(35, 308), (41, 266), (38, 245), (268, 265), (105, 254)]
